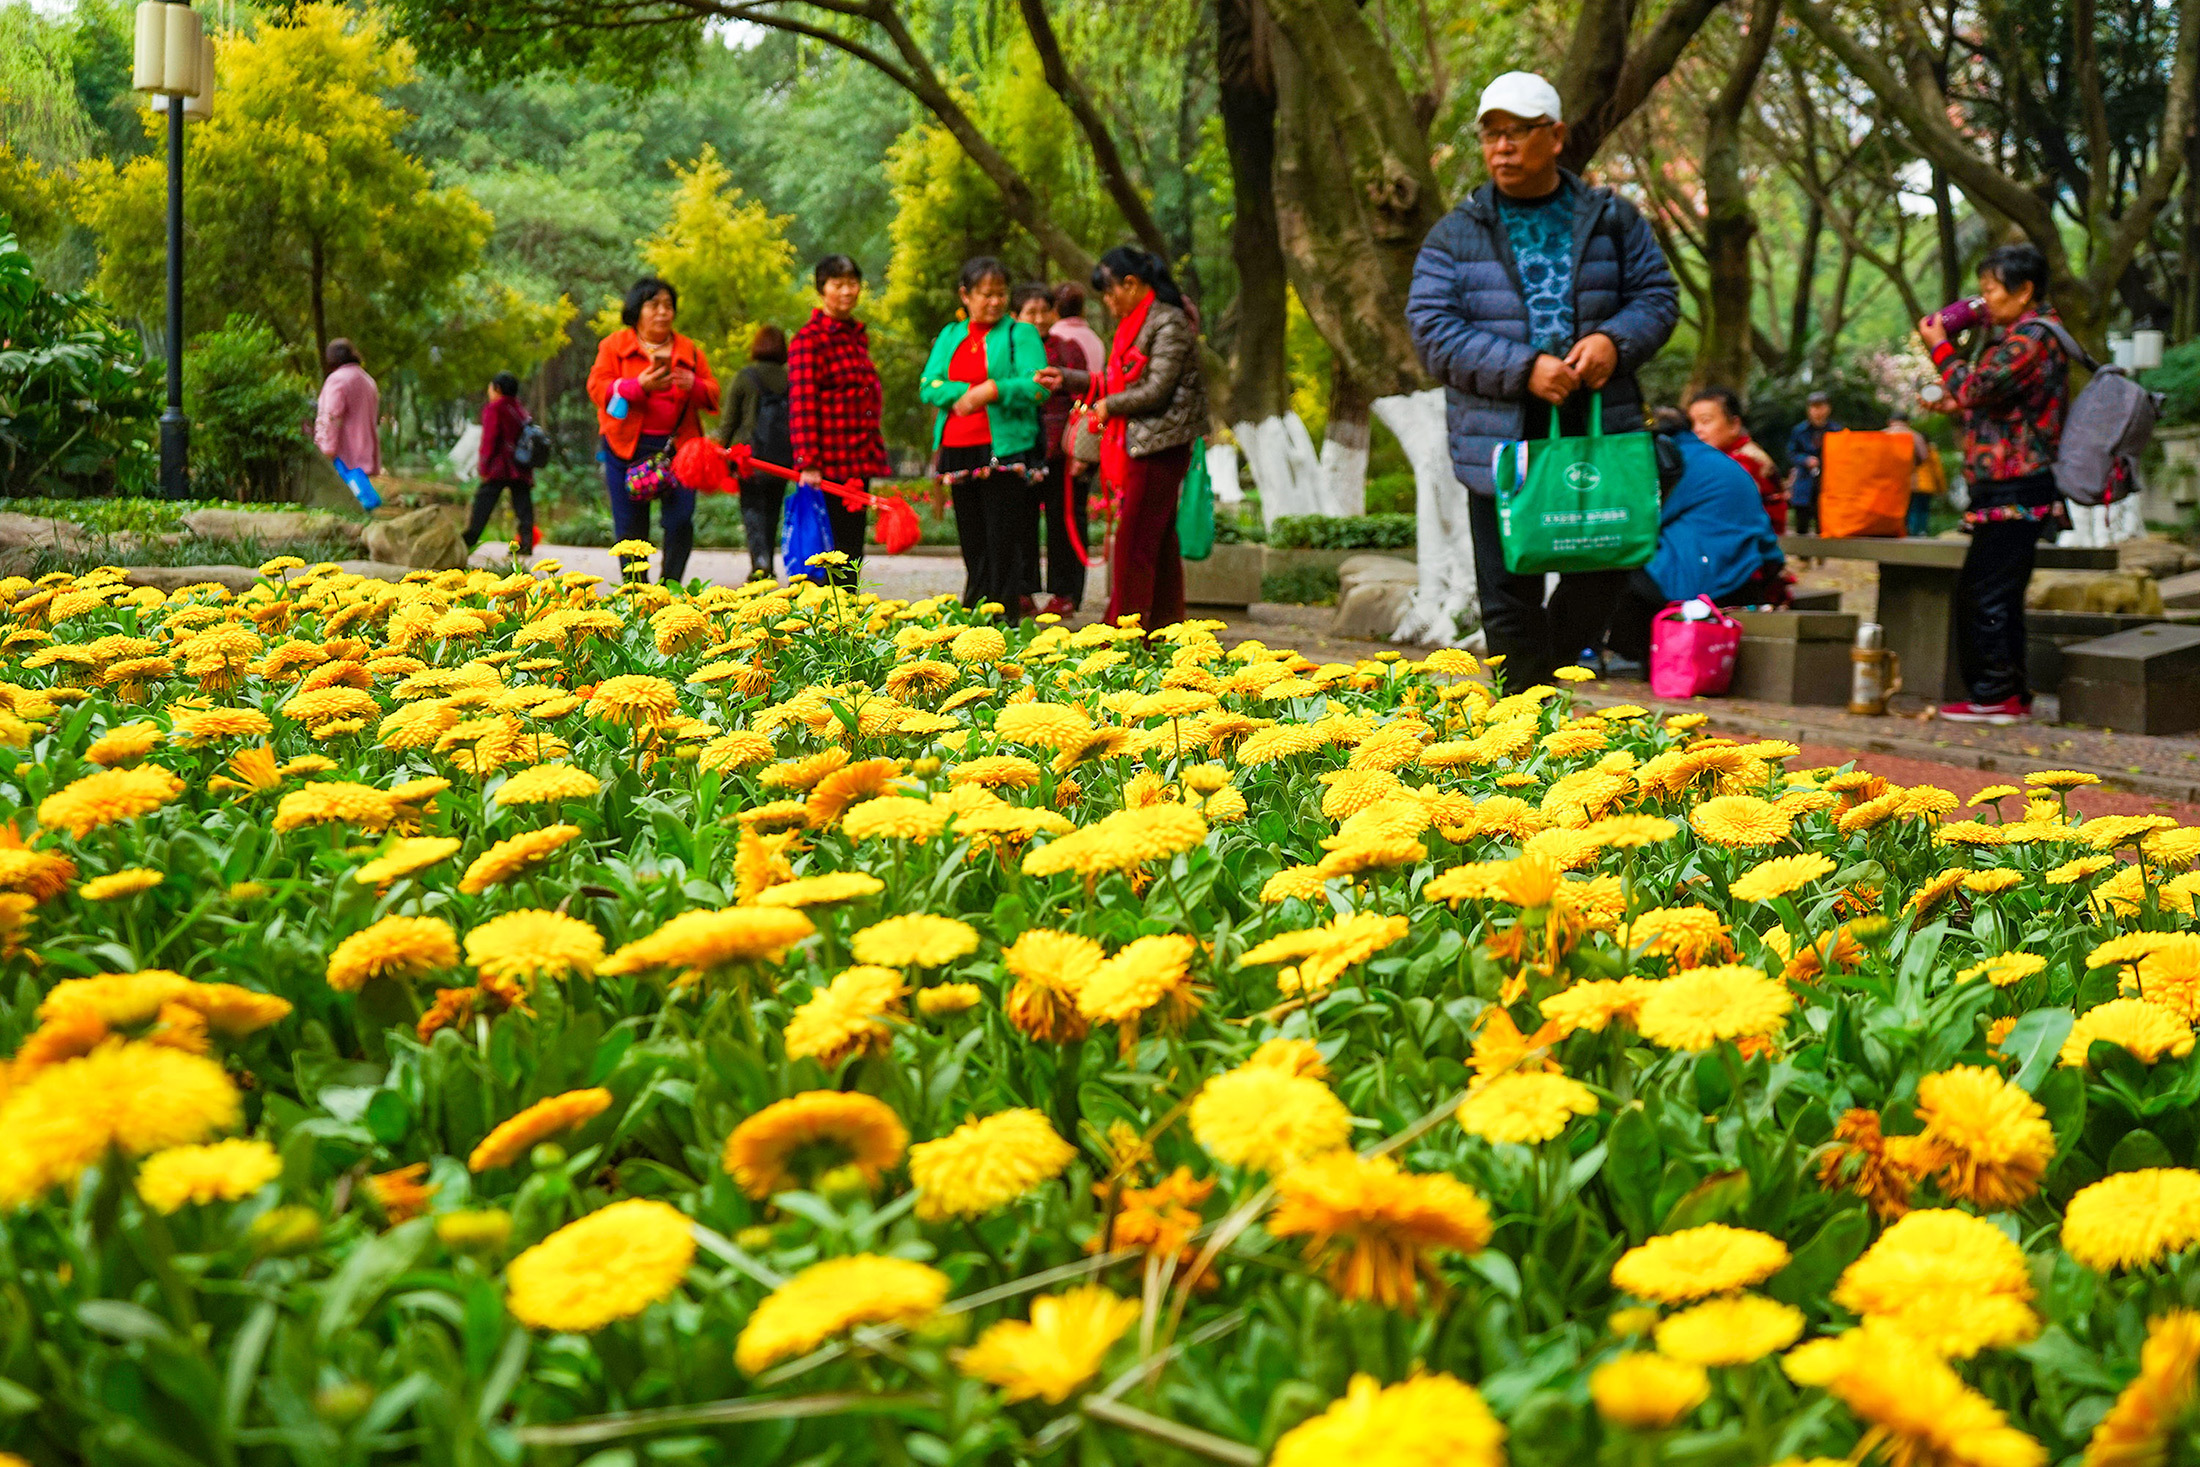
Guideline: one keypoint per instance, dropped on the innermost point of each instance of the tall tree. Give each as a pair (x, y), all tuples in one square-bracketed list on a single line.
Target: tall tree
[(1723, 351)]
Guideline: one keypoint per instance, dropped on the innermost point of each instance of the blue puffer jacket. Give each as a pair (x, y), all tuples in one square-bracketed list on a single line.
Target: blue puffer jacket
[(1470, 322), (1712, 532)]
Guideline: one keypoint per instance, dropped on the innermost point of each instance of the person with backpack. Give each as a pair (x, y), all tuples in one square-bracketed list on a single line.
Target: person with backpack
[(511, 445), (757, 416), (2013, 400)]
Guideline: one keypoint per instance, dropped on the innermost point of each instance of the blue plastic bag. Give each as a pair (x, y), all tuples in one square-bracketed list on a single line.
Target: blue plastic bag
[(808, 532), (361, 487)]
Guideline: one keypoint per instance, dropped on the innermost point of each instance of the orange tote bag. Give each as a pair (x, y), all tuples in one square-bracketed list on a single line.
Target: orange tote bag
[(1865, 487)]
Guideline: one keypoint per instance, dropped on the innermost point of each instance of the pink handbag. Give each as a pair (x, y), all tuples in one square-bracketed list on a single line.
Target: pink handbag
[(1693, 658)]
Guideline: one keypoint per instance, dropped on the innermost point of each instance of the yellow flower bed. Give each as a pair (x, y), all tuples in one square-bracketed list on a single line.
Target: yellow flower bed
[(513, 1017)]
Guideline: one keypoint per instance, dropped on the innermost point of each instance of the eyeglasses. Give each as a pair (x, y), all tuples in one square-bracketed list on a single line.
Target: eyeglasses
[(1518, 132)]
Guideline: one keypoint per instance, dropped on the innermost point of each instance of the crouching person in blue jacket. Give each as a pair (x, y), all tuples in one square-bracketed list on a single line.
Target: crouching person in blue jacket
[(1713, 540), (1537, 290)]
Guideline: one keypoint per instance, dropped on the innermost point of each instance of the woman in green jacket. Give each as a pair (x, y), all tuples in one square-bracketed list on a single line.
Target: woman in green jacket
[(983, 373)]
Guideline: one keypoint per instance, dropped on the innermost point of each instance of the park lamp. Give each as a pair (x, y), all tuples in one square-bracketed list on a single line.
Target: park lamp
[(174, 59)]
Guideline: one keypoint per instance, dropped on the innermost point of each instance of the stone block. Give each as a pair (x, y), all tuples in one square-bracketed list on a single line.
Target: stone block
[(1374, 593), (1794, 657), (1230, 576), (176, 577), (274, 528), (2180, 590), (2143, 681), (1826, 600), (425, 539)]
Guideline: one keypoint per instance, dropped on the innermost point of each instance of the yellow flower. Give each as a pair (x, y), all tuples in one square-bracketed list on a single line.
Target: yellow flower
[(1323, 953), (915, 940), (2136, 1432), (843, 1018), (838, 1294), (633, 698), (1374, 1224), (225, 1171), (108, 797), (1696, 1263), (984, 1165), (515, 857), (2004, 970), (793, 1140), (893, 817), (1992, 1139), (1119, 842), (2133, 1219), (610, 1265), (1739, 820), (404, 857), (1051, 970), (1989, 883), (1057, 1351), (1424, 1420), (820, 891), (2146, 1029), (1525, 1107), (1594, 1005), (1779, 876), (2060, 779), (124, 745), (481, 1230), (120, 884), (1951, 1281), (948, 998), (514, 1138), (1697, 1008), (334, 802), (1647, 1392), (548, 784), (1734, 1330), (137, 1097), (1267, 1119), (1918, 1410), (395, 947), (522, 946)]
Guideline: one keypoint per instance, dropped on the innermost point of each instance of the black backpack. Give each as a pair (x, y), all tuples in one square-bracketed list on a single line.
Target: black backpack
[(532, 449), (772, 440)]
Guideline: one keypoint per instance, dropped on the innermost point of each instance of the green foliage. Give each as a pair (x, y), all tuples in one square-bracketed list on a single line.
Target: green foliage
[(1301, 585), (1343, 532), (247, 410), (2178, 380), (1391, 493), (34, 201), (305, 212), (131, 516), (76, 395)]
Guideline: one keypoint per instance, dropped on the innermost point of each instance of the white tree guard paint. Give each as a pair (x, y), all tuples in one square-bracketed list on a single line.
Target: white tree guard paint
[(2096, 525), (1446, 547), (1286, 470), (1344, 477), (1222, 472)]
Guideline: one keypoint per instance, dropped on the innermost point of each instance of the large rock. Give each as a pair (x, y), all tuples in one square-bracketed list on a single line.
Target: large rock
[(176, 577), (1373, 595), (36, 532), (2130, 592), (425, 539), (275, 529), (375, 570)]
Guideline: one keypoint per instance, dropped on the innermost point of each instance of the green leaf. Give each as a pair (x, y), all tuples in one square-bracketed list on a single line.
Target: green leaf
[(1717, 1196), (2138, 1149), (372, 1268), (1632, 1165), (2035, 1041), (122, 1321), (1810, 1274), (389, 1116)]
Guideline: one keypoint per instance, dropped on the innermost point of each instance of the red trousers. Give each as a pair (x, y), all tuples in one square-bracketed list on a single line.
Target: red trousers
[(1145, 574)]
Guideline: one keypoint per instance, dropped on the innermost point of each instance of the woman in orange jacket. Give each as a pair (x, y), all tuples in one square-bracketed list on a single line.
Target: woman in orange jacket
[(650, 386)]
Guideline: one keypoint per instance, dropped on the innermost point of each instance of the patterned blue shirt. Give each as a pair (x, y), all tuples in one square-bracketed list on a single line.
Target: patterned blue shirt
[(1541, 233)]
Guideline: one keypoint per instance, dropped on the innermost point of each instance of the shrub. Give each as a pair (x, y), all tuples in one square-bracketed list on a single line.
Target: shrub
[(1301, 585), (2178, 380), (247, 410), (1344, 532), (77, 397)]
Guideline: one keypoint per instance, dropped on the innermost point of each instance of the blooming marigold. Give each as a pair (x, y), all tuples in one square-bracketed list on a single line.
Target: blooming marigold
[(1426, 1419), (1120, 842), (794, 1140), (136, 1097), (1779, 876), (395, 947), (894, 817), (2133, 1219), (1267, 1119), (514, 857), (2137, 1431), (1057, 1351), (915, 940), (2004, 970), (1739, 820), (1734, 1330), (820, 891), (1051, 969), (334, 802), (633, 698), (120, 884), (1648, 1392), (838, 1294), (1375, 1224), (514, 1138), (1149, 975), (124, 745), (1525, 1107), (402, 858), (1992, 1139), (1955, 1283), (610, 1265), (107, 798), (1696, 1263), (225, 1171), (984, 1165), (2141, 1027), (1697, 1008), (844, 1018), (547, 784), (1918, 1409)]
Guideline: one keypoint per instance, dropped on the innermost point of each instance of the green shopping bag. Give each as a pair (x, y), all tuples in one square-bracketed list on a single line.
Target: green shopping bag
[(1578, 504), (1195, 508)]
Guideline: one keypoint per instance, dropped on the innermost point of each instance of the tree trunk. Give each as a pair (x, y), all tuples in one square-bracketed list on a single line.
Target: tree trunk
[(1723, 350), (1944, 226), (1806, 275), (1605, 79), (1835, 314), (1114, 176), (1344, 444)]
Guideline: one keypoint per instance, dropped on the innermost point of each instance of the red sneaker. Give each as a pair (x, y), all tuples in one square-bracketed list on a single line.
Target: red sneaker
[(2008, 710)]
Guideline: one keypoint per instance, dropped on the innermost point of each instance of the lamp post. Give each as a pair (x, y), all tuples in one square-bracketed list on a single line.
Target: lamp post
[(174, 60)]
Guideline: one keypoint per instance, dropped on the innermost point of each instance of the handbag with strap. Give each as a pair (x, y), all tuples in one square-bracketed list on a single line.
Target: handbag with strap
[(1081, 436), (1578, 504)]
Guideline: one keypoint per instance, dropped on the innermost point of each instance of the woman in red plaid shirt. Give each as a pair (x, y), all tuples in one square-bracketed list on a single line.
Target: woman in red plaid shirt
[(833, 403), (2013, 400)]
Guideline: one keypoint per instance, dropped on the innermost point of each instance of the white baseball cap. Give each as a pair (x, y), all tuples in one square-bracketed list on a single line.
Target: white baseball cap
[(1522, 93)]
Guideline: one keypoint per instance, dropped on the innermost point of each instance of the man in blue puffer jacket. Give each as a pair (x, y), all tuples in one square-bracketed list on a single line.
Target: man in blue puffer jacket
[(1537, 290)]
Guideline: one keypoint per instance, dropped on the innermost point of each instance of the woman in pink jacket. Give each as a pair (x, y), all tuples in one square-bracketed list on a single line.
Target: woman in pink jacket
[(346, 427)]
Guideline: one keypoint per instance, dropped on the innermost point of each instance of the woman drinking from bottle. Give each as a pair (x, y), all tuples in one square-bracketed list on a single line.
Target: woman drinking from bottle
[(984, 373), (650, 386)]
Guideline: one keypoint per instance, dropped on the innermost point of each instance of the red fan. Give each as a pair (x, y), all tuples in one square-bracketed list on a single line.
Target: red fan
[(897, 522), (701, 465)]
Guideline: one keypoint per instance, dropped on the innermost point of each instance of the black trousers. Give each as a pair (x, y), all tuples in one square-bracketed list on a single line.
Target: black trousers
[(996, 519), (1990, 596), (1067, 496), (761, 496), (485, 505), (1803, 518), (1534, 638)]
